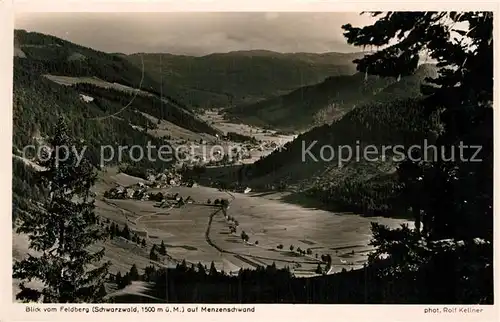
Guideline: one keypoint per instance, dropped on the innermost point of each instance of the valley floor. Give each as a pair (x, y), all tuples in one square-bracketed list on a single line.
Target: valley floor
[(200, 233)]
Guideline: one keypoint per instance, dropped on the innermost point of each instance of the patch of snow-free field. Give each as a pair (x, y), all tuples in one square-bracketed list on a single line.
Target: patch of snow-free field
[(69, 80)]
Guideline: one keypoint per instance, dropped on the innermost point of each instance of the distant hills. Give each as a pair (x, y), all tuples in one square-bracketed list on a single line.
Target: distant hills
[(327, 101), (228, 79)]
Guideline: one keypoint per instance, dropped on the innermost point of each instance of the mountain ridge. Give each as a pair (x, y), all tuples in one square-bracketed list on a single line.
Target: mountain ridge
[(313, 105), (228, 79)]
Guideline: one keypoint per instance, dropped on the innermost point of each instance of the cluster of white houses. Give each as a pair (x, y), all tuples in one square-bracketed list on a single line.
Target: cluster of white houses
[(141, 190)]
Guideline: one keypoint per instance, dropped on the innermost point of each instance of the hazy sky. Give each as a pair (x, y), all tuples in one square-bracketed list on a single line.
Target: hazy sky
[(197, 33)]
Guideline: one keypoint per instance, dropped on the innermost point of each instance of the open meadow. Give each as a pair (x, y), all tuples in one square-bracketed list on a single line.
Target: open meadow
[(200, 232)]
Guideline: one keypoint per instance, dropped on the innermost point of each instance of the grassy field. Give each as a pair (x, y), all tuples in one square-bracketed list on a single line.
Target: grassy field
[(273, 222), (267, 220), (68, 81)]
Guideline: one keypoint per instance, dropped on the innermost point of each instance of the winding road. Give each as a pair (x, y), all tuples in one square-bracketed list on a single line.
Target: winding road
[(308, 260), (221, 250)]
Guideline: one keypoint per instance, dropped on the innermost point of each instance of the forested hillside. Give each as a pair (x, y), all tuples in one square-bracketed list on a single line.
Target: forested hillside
[(353, 184), (38, 104), (329, 100), (45, 54), (228, 79)]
